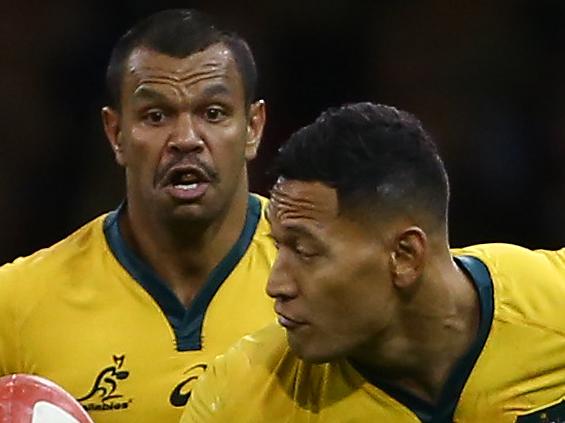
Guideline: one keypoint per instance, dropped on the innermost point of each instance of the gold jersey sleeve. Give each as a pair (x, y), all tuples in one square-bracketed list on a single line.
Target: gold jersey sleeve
[(517, 375), (90, 315)]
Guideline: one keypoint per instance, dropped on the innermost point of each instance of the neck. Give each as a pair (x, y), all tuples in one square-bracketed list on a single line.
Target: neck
[(183, 253), (434, 330)]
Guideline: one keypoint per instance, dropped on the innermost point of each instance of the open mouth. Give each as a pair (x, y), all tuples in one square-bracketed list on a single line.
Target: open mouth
[(187, 182)]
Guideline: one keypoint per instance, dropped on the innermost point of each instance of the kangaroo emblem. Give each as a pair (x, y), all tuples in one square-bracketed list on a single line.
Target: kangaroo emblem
[(106, 382)]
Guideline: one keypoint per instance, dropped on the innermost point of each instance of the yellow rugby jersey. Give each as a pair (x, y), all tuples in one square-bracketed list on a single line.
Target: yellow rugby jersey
[(90, 315), (514, 371)]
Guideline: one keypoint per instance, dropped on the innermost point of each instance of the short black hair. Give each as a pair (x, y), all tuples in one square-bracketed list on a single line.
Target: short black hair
[(373, 155), (178, 33)]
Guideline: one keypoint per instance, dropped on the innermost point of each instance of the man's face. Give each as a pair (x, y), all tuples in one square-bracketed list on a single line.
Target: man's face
[(183, 132), (331, 277)]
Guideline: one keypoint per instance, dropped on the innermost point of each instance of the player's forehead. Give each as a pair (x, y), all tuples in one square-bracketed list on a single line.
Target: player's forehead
[(302, 203), (149, 71)]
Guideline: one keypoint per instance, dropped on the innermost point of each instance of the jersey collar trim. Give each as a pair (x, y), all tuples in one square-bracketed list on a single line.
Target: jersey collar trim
[(185, 322)]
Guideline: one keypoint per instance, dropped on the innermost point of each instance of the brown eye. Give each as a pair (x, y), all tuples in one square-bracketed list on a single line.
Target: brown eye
[(214, 114), (155, 117)]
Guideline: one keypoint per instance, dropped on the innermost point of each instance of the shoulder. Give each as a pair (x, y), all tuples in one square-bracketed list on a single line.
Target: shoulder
[(262, 240), (237, 377), (48, 264), (529, 285), (504, 259), (556, 258), (261, 350), (260, 205)]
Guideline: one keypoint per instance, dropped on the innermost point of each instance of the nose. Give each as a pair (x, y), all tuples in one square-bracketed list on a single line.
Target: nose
[(185, 136), (282, 283)]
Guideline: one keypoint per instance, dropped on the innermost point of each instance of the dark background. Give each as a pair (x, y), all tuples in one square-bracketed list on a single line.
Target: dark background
[(486, 78)]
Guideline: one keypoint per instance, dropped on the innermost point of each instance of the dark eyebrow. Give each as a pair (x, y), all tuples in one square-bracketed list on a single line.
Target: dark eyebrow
[(216, 89), (298, 229), (146, 93)]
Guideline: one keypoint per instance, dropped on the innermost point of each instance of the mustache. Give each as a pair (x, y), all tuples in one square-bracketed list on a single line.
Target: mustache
[(194, 164)]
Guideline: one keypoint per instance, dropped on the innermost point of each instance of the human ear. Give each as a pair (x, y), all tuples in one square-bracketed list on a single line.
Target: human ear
[(255, 125), (408, 257), (112, 128)]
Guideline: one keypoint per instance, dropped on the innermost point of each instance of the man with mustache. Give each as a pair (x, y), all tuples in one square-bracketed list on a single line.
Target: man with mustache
[(381, 322), (127, 312)]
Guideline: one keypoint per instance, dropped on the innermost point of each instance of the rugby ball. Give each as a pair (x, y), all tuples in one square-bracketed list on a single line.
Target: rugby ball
[(32, 399)]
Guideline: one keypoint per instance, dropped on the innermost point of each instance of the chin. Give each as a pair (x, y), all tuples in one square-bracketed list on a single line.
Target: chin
[(311, 352), (192, 212)]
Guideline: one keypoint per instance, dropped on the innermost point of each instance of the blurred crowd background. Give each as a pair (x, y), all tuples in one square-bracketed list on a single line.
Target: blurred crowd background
[(487, 78)]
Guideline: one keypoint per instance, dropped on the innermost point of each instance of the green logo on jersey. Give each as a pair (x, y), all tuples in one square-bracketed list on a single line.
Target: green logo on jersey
[(104, 395)]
